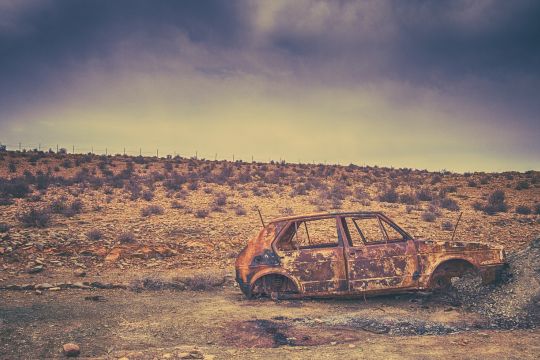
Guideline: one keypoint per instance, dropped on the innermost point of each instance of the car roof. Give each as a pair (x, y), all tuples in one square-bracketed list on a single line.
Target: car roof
[(324, 214)]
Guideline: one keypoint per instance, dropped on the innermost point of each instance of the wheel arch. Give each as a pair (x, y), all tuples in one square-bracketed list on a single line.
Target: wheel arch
[(268, 272), (451, 260)]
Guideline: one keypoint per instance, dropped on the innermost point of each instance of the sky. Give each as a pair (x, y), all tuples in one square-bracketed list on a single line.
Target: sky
[(419, 84)]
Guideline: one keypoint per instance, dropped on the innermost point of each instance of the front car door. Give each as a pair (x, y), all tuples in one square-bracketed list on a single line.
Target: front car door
[(380, 256), (311, 250)]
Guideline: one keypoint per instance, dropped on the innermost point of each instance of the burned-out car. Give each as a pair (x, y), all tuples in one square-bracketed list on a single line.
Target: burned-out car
[(356, 253)]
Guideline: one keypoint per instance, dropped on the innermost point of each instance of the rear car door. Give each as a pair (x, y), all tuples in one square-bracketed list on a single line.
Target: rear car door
[(311, 250), (379, 257)]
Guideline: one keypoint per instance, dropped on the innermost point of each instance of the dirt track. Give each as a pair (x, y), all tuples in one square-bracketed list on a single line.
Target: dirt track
[(222, 323)]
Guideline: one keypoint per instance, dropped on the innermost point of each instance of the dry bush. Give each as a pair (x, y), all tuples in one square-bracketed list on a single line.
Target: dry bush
[(240, 210), (152, 210), (537, 209), (523, 210), (148, 195), (447, 226), (522, 185), (389, 195), (429, 216), (496, 203), (94, 234), (408, 199), (126, 237), (4, 227), (201, 213), (35, 217), (176, 205), (424, 194), (449, 204), (220, 199)]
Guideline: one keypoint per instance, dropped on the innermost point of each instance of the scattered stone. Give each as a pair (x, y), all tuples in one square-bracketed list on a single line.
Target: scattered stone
[(79, 273), (95, 298), (44, 286), (193, 354), (55, 288), (35, 269), (71, 350)]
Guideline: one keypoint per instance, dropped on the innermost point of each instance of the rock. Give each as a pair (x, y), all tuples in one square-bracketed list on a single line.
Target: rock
[(193, 354), (80, 285), (55, 288), (79, 273), (71, 350), (35, 269), (95, 298), (43, 286)]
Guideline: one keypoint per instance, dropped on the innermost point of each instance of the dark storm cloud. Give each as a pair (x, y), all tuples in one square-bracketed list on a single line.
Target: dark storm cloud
[(483, 50), (43, 41)]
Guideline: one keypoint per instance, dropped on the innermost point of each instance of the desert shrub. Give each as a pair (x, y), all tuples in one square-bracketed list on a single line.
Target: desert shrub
[(126, 237), (201, 213), (424, 195), (523, 210), (207, 190), (35, 217), (360, 193), (76, 206), (522, 185), (58, 206), (94, 234), (484, 180), (202, 282), (428, 216), (16, 188), (12, 166), (176, 205), (4, 227), (537, 209), (4, 201), (67, 164), (450, 189), (447, 226), (152, 210), (436, 179), (449, 204), (240, 210), (175, 181), (194, 185), (299, 189), (148, 195), (496, 203), (409, 209), (408, 199), (287, 211), (472, 183), (220, 199), (389, 195), (478, 206)]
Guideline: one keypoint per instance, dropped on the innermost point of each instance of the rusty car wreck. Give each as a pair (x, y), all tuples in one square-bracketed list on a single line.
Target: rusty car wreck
[(354, 253)]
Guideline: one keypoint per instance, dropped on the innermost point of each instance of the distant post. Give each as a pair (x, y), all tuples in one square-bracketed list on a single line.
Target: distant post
[(140, 151), (20, 147), (57, 148), (73, 149)]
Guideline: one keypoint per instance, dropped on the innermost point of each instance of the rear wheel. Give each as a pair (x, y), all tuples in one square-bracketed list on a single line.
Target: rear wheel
[(448, 274), (273, 286)]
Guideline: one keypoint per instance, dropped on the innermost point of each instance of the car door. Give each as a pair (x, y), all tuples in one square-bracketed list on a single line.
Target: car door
[(379, 257), (312, 251)]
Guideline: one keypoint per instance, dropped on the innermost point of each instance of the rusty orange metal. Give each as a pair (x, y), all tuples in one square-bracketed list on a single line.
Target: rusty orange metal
[(366, 254)]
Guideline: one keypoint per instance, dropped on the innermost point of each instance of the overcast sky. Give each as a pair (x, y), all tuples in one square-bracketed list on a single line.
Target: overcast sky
[(438, 85)]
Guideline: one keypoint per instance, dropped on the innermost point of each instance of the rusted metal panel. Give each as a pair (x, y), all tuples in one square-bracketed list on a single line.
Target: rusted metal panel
[(269, 265)]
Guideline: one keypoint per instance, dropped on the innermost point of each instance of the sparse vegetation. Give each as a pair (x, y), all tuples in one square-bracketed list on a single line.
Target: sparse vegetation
[(94, 235), (35, 217), (522, 185), (447, 226), (152, 210), (429, 216), (523, 210), (126, 237), (4, 227), (201, 213)]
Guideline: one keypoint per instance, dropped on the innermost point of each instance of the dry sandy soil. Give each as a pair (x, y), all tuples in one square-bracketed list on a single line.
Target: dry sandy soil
[(138, 221)]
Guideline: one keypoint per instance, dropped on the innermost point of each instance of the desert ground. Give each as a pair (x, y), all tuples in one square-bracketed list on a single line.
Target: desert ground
[(133, 257)]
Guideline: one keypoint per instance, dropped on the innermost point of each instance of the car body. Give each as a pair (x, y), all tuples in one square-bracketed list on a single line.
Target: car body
[(354, 253)]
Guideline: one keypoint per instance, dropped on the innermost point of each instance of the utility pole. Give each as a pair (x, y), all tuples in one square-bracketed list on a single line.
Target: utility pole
[(73, 149), (157, 153), (105, 151), (19, 146), (140, 151), (124, 151), (57, 148)]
